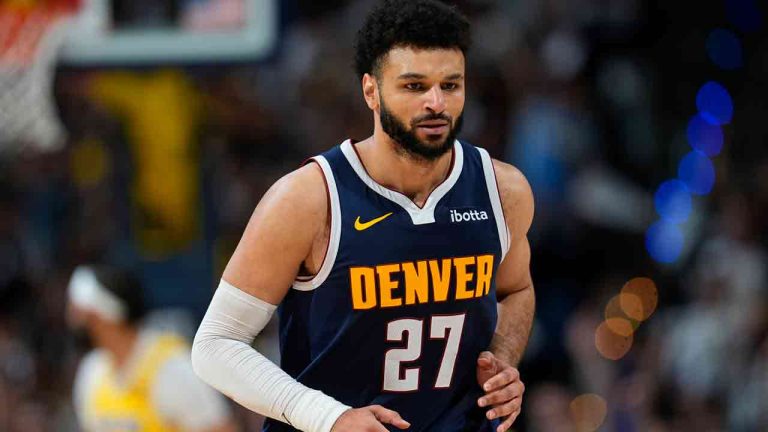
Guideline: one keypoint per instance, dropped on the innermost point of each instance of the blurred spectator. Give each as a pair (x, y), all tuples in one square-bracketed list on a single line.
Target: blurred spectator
[(134, 378)]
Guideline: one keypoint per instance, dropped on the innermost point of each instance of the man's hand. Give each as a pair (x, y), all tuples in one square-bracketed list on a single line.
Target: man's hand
[(369, 419), (503, 389)]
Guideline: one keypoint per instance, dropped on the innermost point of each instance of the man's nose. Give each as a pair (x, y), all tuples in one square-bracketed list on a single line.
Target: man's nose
[(435, 99)]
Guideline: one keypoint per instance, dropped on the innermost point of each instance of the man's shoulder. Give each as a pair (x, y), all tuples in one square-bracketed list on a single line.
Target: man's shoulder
[(307, 181), (515, 192), (182, 398), (302, 191), (93, 362), (91, 367), (175, 369), (301, 178), (510, 178)]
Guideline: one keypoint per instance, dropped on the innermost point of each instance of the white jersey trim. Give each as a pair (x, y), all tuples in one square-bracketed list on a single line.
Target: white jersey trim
[(493, 194), (419, 216), (335, 236)]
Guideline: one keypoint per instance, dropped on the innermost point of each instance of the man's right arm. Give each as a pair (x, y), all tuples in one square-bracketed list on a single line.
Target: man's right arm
[(280, 235), (276, 241), (289, 222)]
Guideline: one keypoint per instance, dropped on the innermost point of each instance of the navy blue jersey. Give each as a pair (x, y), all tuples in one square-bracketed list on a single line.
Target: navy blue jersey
[(405, 299)]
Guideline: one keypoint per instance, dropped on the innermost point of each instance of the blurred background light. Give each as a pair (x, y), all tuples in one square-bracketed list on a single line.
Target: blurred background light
[(715, 103), (705, 136), (588, 412), (664, 241), (631, 303), (564, 54), (724, 49), (639, 298), (744, 14), (673, 201), (618, 321), (621, 326), (610, 344), (697, 172)]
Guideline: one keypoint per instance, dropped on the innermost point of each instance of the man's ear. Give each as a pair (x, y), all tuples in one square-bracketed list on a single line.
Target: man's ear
[(371, 91)]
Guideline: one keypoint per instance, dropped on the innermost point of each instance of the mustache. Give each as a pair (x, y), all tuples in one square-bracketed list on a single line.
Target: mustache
[(432, 116)]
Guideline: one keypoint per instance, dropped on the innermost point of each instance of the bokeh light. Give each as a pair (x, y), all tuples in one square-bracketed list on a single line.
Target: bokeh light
[(639, 298), (697, 172), (588, 412), (664, 241), (744, 14), (673, 201), (715, 103), (610, 344), (704, 136), (621, 326), (618, 321), (724, 49)]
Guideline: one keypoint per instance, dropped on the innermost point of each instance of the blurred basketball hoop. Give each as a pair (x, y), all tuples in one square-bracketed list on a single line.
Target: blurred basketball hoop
[(161, 32), (31, 33)]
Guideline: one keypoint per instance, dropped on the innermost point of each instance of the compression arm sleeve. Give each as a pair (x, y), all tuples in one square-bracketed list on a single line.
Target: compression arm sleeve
[(222, 357)]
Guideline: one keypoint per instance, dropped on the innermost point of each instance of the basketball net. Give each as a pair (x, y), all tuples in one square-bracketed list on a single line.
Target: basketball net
[(31, 33)]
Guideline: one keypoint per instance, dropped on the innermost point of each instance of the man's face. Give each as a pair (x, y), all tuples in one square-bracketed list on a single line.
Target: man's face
[(81, 323), (422, 99)]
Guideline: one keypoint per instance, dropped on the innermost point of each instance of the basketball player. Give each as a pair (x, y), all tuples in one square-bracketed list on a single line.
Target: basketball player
[(387, 259), (135, 380)]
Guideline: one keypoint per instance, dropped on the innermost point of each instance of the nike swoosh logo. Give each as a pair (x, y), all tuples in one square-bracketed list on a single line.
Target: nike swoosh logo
[(362, 226)]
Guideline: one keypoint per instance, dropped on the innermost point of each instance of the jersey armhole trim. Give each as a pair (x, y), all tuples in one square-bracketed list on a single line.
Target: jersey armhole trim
[(308, 284), (493, 193)]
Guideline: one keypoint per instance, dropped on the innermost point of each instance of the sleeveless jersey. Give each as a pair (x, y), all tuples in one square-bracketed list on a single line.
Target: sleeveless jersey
[(117, 407), (405, 299)]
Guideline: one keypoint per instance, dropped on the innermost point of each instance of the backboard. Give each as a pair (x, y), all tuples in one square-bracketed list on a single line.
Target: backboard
[(146, 32)]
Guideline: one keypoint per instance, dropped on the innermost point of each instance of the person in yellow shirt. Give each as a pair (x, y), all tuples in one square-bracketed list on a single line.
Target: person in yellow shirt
[(135, 379)]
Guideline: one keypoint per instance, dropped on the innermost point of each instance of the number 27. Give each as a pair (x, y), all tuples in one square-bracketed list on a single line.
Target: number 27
[(448, 327)]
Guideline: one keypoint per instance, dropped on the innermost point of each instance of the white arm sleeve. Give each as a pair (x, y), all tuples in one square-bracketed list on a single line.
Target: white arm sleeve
[(222, 356), (186, 401)]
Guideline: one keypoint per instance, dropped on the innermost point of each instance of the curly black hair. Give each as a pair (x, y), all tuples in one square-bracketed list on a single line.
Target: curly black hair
[(408, 23)]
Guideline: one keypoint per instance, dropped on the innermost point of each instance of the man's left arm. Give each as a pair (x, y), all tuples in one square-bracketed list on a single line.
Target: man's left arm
[(514, 286), (496, 371)]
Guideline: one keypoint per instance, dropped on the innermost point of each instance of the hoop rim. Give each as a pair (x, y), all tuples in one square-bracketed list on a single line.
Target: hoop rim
[(23, 30)]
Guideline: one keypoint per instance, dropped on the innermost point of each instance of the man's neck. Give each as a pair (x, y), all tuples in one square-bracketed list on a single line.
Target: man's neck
[(120, 344), (413, 176)]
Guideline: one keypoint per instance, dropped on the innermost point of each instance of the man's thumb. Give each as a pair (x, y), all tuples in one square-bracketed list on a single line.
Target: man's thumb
[(485, 360), (391, 417)]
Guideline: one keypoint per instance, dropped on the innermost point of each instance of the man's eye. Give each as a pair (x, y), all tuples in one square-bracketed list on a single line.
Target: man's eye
[(450, 86), (413, 86)]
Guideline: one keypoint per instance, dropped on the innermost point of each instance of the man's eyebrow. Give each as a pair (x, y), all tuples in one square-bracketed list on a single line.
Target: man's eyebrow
[(414, 75), (411, 75)]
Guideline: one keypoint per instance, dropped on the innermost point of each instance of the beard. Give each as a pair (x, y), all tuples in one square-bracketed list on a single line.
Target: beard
[(410, 143)]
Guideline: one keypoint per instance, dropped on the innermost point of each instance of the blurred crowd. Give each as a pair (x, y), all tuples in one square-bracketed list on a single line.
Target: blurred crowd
[(589, 98)]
